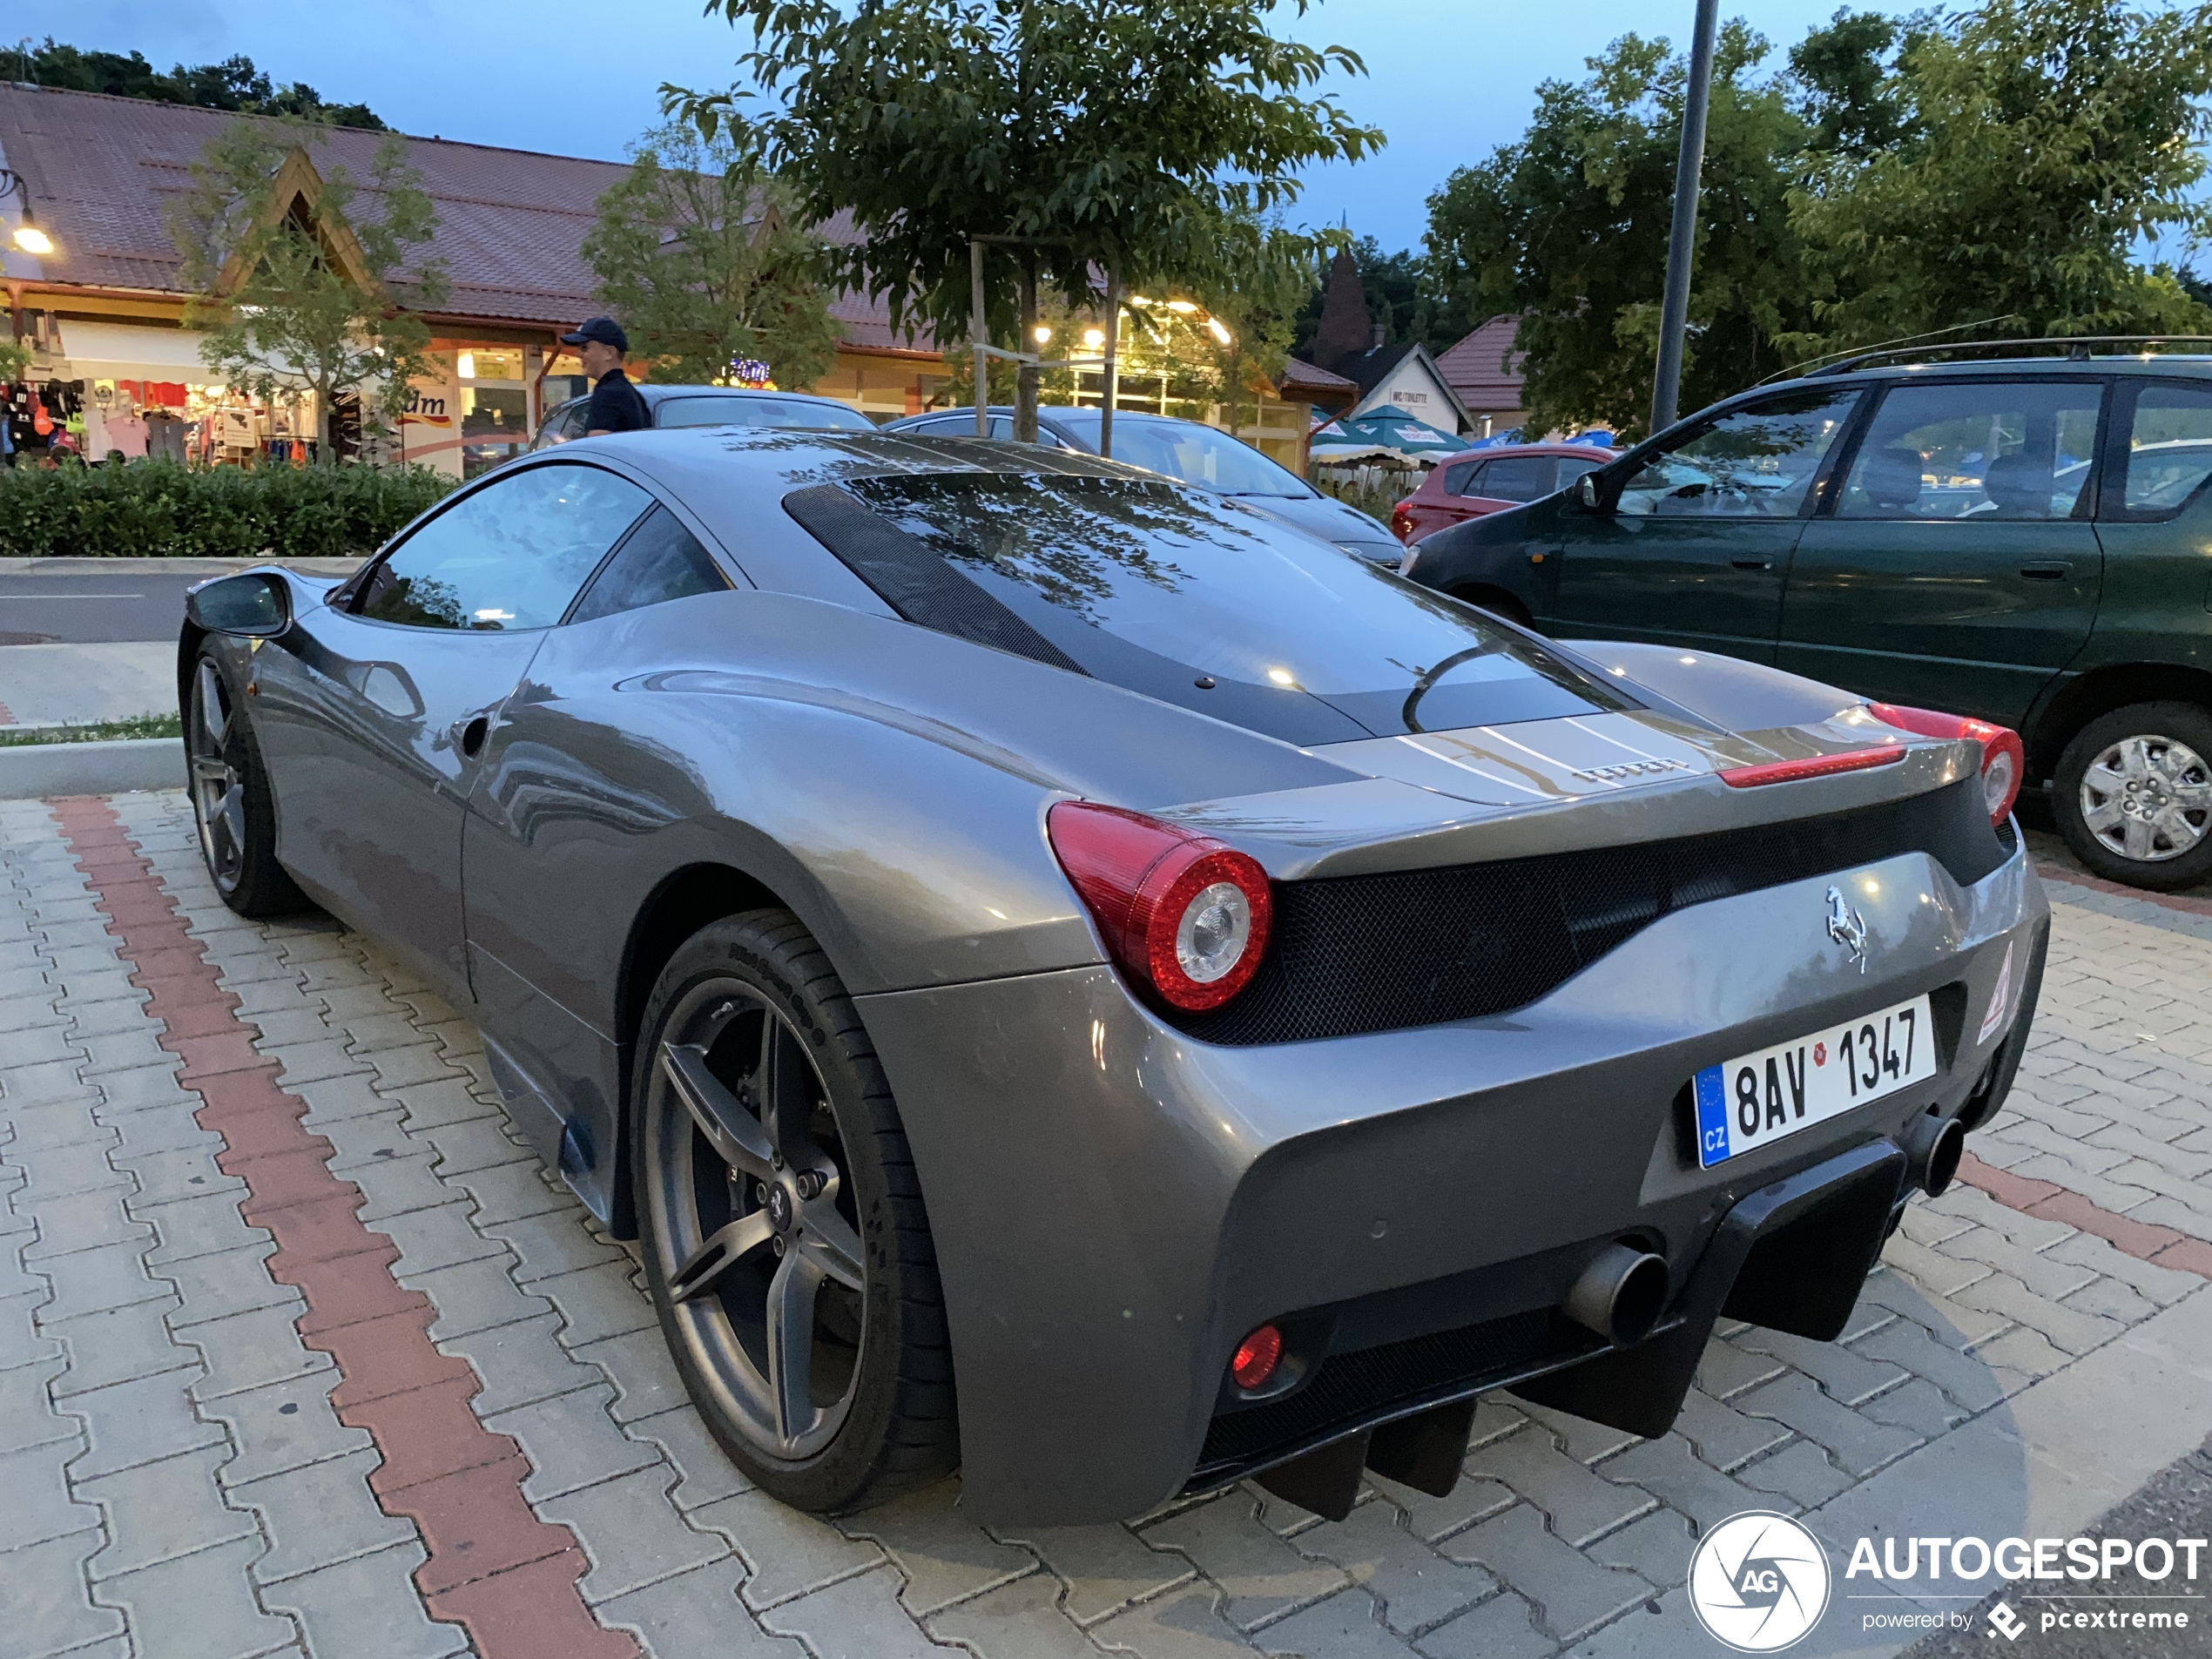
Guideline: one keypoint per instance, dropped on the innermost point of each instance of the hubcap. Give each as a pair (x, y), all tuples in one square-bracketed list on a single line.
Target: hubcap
[(2148, 798), (218, 796), (751, 1219)]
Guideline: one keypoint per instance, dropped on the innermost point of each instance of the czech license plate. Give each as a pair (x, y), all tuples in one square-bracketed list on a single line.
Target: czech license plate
[(1756, 1099)]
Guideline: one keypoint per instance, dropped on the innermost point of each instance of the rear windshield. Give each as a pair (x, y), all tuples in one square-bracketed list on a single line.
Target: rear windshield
[(1193, 454), (760, 411), (1162, 589)]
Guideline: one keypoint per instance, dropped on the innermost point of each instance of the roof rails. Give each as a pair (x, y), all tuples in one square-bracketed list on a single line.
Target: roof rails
[(2075, 347)]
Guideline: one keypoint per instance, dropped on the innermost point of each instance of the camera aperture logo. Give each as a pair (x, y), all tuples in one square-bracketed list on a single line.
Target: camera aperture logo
[(1758, 1581)]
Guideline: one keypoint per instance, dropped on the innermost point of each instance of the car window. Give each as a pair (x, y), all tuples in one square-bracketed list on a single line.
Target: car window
[(2169, 448), (1458, 479), (1996, 449), (1172, 592), (1574, 467), (1185, 450), (1754, 462), (1518, 478), (759, 411), (510, 556), (558, 426), (948, 426), (659, 560)]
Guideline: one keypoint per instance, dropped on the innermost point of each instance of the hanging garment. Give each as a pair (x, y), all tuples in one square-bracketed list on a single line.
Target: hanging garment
[(128, 433)]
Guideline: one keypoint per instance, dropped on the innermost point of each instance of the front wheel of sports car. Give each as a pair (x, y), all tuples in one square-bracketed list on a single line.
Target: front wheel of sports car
[(231, 802), (784, 1237)]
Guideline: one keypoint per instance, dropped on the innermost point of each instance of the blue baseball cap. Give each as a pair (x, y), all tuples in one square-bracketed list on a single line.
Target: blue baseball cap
[(605, 330)]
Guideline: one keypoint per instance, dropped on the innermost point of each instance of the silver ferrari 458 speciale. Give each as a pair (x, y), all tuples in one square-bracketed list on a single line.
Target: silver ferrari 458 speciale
[(1071, 979)]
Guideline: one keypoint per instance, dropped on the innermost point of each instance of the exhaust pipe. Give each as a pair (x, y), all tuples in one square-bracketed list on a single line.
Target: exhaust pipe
[(1933, 1147), (1621, 1294)]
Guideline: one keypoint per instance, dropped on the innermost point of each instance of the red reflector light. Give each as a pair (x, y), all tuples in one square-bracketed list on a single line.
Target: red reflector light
[(1186, 915), (1401, 520), (1788, 771), (1257, 1357), (2004, 758)]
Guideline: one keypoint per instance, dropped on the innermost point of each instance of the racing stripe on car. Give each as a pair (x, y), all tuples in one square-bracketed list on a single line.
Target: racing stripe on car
[(2047, 1201), (493, 1566)]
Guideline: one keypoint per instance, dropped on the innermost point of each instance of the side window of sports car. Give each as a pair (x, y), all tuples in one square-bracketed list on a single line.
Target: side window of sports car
[(510, 556), (659, 560)]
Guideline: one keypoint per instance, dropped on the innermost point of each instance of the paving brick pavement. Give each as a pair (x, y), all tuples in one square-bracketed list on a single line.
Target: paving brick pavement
[(195, 1276)]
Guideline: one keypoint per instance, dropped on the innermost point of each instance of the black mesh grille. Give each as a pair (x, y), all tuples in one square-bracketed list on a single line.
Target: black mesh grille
[(1380, 953), (1351, 1385)]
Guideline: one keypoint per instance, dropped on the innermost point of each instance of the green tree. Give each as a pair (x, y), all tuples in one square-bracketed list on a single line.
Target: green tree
[(1154, 140), (1402, 297), (234, 84), (1569, 228), (2033, 146), (699, 252), (296, 290)]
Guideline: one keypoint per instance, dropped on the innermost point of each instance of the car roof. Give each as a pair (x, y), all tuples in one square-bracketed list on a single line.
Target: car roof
[(660, 394), (2013, 367), (1562, 447)]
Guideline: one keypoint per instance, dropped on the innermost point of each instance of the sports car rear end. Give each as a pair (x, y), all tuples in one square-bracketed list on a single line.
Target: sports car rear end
[(1604, 992)]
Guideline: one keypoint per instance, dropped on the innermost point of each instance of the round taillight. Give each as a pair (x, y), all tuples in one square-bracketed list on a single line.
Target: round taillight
[(1187, 915), (2000, 781), (1257, 1357), (2003, 759)]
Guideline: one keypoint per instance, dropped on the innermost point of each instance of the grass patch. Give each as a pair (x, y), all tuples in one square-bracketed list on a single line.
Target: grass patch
[(134, 725)]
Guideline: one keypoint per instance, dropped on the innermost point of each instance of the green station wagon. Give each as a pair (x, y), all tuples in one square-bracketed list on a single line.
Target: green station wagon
[(2026, 539)]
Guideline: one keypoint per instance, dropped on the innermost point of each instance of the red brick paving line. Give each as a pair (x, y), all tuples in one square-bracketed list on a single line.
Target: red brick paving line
[(2047, 1201), (2052, 870), (493, 1566)]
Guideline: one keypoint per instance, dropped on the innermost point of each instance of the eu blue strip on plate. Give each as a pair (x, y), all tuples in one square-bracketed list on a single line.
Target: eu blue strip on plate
[(1712, 1118)]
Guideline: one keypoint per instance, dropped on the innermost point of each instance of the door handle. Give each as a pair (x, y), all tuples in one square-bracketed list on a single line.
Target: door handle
[(2047, 569), (1750, 564)]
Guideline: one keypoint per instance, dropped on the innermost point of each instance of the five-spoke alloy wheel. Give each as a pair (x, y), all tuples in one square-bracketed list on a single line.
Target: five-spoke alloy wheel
[(230, 798), (2133, 794), (785, 1239)]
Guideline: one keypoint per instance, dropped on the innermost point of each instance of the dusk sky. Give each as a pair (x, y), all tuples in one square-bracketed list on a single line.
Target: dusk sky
[(1447, 80)]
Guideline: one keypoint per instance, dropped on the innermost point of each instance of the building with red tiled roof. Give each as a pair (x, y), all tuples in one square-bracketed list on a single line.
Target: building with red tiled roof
[(100, 175), (1484, 371)]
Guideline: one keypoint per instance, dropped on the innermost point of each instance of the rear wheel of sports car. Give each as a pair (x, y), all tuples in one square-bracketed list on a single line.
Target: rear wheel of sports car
[(230, 799), (785, 1240), (2133, 795)]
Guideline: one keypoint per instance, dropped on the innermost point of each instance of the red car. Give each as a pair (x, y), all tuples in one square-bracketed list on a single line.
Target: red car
[(1487, 481)]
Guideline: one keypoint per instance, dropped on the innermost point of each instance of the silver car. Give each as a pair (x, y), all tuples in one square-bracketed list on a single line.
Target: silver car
[(1071, 979)]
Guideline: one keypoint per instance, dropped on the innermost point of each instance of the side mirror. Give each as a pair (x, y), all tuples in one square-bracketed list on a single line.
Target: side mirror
[(256, 605), (1585, 492)]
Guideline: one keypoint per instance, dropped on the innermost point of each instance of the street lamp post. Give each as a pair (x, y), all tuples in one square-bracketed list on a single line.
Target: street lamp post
[(1674, 309)]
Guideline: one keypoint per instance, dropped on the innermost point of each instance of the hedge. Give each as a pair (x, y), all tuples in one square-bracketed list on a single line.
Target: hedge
[(159, 509)]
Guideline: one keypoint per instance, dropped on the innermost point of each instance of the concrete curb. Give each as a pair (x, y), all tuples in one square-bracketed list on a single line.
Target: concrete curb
[(13, 565), (41, 770)]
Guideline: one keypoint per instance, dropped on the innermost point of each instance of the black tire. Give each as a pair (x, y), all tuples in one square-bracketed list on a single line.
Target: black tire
[(231, 804), (710, 1033), (2133, 795)]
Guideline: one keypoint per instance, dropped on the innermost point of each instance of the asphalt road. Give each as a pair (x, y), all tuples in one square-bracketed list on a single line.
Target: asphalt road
[(2176, 1504), (85, 609)]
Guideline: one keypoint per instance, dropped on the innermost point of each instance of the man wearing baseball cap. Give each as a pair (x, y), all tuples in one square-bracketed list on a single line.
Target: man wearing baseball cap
[(615, 406)]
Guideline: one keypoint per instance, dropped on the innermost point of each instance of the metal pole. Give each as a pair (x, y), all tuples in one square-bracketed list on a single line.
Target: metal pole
[(1111, 379), (979, 335), (1674, 309)]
